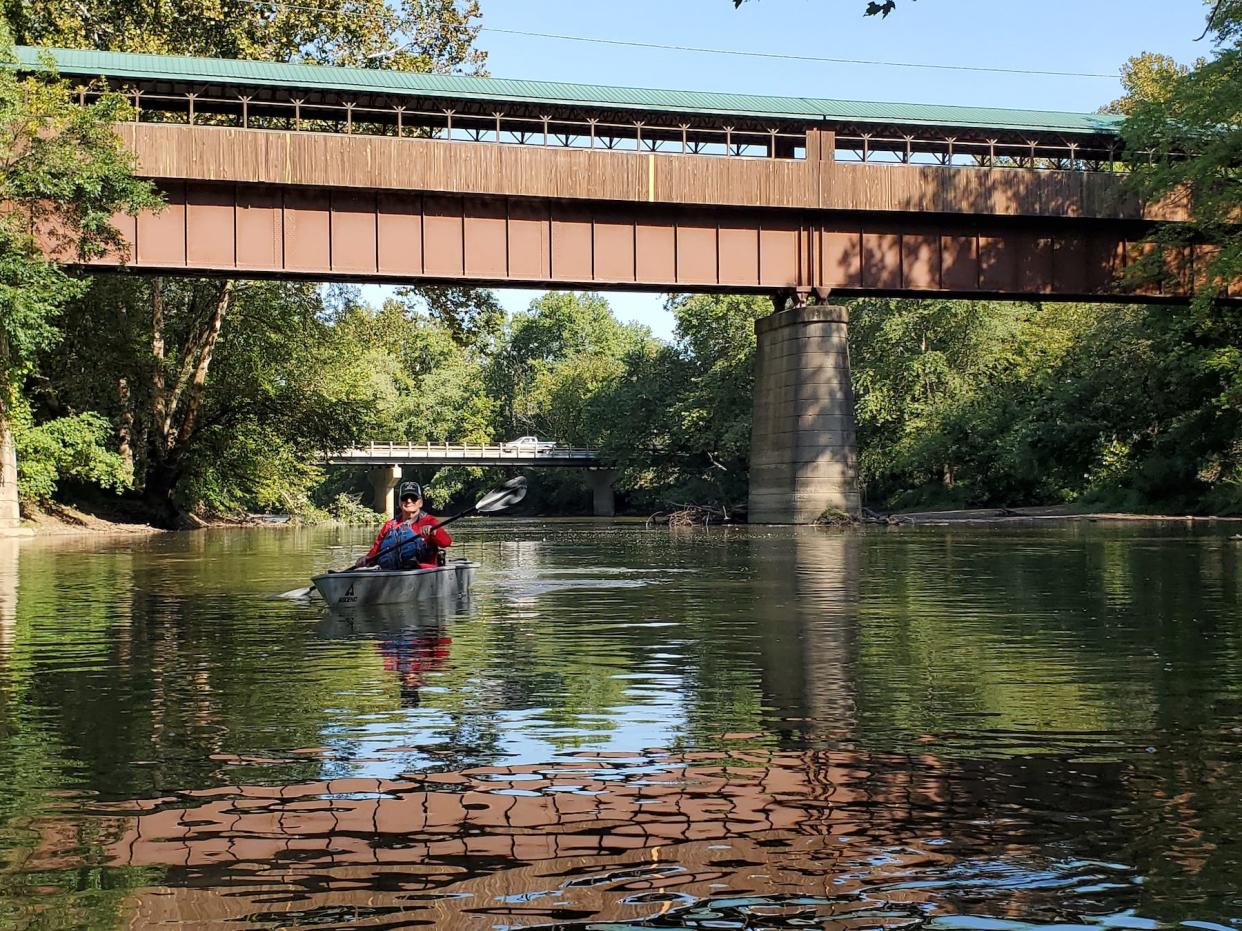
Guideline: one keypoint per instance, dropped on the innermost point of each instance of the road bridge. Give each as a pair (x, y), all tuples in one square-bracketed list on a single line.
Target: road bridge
[(305, 171), (386, 459)]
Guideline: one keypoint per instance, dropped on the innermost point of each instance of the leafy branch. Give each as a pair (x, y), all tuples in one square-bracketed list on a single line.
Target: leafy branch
[(879, 8)]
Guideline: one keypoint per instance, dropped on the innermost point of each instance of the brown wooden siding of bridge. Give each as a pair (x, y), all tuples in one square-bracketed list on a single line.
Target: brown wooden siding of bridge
[(258, 202), (331, 160)]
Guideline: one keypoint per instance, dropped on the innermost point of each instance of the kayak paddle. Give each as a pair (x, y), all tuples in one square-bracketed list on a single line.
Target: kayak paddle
[(499, 498)]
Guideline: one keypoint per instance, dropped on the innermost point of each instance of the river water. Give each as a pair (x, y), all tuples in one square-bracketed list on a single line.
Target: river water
[(991, 728)]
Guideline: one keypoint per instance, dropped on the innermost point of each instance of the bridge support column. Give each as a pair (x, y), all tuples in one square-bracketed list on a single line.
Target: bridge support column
[(603, 502), (384, 482), (10, 517), (802, 448)]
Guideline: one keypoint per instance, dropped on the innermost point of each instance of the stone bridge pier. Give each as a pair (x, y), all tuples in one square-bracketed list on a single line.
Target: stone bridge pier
[(803, 457), (603, 501), (384, 481)]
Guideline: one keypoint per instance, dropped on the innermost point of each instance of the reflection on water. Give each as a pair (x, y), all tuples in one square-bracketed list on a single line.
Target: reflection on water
[(612, 837), (756, 728), (9, 561)]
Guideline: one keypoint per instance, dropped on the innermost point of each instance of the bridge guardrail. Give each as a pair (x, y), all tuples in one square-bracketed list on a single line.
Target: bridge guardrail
[(385, 452), (910, 145)]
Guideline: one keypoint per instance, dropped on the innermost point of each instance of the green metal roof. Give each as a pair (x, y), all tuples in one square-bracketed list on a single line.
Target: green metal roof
[(142, 67)]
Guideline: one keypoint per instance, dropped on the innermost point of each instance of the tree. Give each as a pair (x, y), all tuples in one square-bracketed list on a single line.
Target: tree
[(679, 416), (1182, 125), (473, 316), (286, 383), (562, 332), (174, 327), (410, 35), (873, 8), (428, 388), (1148, 76), (63, 174)]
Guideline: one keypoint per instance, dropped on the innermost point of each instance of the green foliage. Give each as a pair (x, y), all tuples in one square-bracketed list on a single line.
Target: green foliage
[(221, 392), (1146, 77), (472, 315), (1184, 129), (975, 404), (879, 8), (349, 509), (1185, 125), (680, 415), (285, 384), (552, 360), (63, 173), (409, 35), (72, 447), (429, 387)]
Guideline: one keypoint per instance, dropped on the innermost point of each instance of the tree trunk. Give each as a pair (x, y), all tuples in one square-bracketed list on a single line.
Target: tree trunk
[(199, 379), (161, 482), (125, 433), (10, 514), (159, 391), (176, 407)]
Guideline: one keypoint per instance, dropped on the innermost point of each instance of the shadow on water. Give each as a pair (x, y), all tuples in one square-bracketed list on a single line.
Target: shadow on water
[(748, 728)]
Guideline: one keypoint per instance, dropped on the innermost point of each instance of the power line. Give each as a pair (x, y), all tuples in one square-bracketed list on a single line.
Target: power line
[(778, 56), (787, 57)]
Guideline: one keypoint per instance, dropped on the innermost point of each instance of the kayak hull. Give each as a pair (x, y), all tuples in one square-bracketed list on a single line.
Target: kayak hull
[(379, 586)]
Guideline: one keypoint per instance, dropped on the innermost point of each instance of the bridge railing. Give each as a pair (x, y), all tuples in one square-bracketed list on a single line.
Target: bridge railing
[(385, 452), (915, 146), (245, 112)]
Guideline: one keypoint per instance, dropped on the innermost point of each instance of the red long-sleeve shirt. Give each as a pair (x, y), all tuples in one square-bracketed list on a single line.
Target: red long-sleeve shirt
[(437, 539)]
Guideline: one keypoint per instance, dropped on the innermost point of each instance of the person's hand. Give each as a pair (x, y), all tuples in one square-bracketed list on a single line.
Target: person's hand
[(426, 530)]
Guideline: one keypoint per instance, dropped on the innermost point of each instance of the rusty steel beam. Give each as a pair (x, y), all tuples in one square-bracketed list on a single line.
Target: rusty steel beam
[(358, 235)]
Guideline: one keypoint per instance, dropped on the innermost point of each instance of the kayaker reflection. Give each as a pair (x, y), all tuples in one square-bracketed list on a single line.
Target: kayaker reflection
[(410, 656), (411, 540)]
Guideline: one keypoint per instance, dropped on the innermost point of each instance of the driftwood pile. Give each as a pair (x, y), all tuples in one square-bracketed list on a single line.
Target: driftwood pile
[(689, 515)]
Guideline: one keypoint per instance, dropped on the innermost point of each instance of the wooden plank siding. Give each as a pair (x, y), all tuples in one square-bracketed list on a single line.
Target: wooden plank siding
[(303, 159)]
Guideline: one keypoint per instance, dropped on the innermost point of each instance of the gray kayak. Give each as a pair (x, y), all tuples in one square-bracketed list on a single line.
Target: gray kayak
[(381, 586)]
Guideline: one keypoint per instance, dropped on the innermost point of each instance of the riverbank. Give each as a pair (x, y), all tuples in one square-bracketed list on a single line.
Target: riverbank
[(55, 519), (1059, 512), (62, 519)]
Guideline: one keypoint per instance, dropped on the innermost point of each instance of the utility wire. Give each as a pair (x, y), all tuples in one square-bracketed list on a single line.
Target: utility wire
[(786, 57), (778, 56)]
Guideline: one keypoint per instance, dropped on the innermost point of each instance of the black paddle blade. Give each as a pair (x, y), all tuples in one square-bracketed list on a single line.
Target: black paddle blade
[(504, 496)]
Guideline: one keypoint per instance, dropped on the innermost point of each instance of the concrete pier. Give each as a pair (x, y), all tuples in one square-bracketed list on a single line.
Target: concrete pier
[(803, 456), (384, 481), (603, 501), (10, 518)]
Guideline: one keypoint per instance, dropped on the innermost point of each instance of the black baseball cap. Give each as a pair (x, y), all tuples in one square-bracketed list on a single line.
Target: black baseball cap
[(410, 490)]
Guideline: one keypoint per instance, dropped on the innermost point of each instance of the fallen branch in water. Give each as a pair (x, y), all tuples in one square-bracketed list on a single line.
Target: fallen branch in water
[(871, 517), (688, 515)]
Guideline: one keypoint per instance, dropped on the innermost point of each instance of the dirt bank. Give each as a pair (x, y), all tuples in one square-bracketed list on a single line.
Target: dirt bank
[(1026, 515), (50, 519)]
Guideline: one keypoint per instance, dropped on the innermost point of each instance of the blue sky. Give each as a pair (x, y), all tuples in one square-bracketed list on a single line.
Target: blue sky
[(1086, 36)]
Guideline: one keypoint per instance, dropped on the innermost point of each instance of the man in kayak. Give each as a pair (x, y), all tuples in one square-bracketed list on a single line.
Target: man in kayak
[(411, 540)]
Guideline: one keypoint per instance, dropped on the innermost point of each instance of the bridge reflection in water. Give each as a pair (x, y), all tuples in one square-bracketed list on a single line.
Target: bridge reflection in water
[(611, 838)]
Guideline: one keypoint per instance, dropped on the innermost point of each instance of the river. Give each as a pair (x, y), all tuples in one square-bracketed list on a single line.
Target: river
[(982, 728)]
